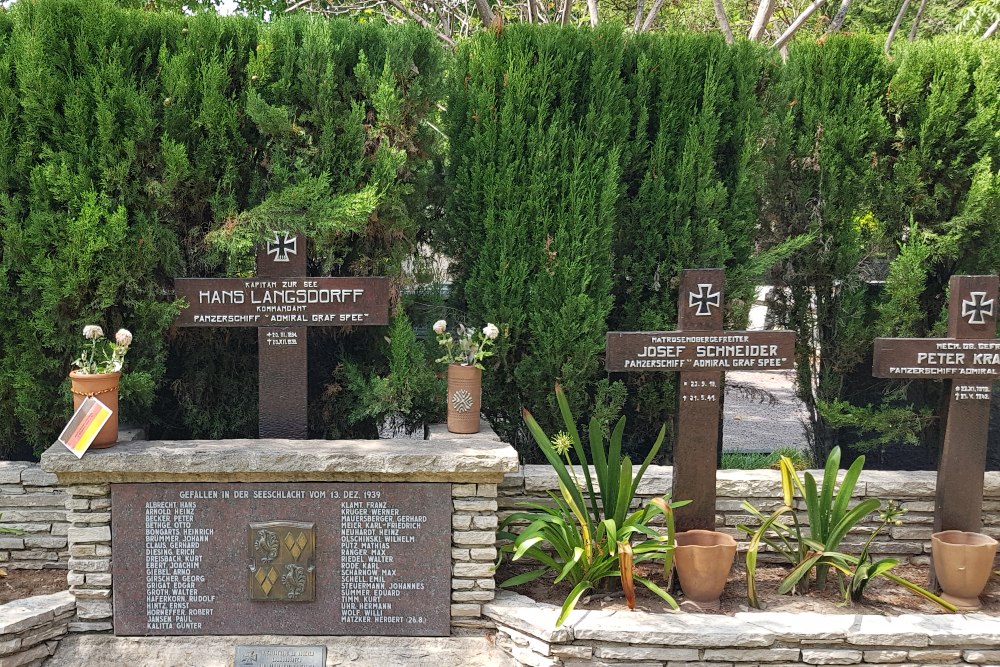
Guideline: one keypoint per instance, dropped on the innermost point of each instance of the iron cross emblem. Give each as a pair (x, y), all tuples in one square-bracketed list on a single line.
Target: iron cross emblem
[(976, 307), (282, 246), (704, 299)]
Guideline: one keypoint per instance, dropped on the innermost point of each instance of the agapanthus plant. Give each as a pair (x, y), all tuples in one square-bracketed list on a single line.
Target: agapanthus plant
[(471, 345), (101, 355)]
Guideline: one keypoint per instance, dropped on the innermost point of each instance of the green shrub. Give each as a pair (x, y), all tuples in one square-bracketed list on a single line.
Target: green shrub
[(139, 146)]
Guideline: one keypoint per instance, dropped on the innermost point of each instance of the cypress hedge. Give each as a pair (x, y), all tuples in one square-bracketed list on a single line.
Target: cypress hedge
[(139, 146)]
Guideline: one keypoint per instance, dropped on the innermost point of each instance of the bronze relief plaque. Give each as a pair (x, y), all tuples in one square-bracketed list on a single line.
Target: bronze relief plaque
[(281, 561)]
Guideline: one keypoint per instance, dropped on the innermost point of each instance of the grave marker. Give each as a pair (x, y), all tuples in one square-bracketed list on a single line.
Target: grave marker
[(195, 558), (969, 358), (282, 302), (700, 351)]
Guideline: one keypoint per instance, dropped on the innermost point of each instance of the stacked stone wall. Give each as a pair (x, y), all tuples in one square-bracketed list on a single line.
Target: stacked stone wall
[(31, 629), (32, 502), (909, 541), (526, 631)]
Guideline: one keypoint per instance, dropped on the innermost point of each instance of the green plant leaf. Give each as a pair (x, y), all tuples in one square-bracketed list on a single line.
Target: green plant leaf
[(524, 577), (570, 564), (572, 599), (659, 591)]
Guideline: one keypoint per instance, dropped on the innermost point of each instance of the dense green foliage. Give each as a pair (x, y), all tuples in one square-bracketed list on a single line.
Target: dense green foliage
[(584, 169), (893, 167), (136, 147), (579, 187)]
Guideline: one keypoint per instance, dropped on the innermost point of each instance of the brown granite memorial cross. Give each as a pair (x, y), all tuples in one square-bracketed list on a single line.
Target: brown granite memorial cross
[(969, 358), (700, 351), (281, 302)]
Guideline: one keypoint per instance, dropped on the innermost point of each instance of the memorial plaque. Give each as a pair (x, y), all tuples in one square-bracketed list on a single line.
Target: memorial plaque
[(726, 351), (937, 358), (269, 302), (280, 656), (202, 558), (281, 303), (970, 359), (699, 351)]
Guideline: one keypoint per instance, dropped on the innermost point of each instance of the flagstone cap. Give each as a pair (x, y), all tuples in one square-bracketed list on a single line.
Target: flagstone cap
[(446, 457)]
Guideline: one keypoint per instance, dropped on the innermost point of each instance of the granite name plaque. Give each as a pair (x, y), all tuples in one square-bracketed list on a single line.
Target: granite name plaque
[(280, 656), (330, 558)]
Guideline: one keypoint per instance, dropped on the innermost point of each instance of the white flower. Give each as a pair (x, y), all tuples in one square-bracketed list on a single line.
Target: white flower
[(440, 326), (491, 331), (93, 332), (123, 337)]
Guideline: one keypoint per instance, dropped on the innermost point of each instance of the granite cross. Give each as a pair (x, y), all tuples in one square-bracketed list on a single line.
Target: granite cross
[(969, 358), (700, 351), (281, 302)]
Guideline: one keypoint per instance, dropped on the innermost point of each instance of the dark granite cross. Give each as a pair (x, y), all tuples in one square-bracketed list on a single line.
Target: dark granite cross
[(700, 351), (969, 358), (281, 302)]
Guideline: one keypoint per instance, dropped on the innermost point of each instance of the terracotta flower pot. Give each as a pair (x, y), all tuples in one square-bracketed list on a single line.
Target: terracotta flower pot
[(103, 387), (465, 389), (703, 559), (963, 563)]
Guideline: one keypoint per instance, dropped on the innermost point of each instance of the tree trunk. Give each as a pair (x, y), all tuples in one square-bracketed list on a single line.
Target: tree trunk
[(895, 25), (592, 7), (992, 30), (760, 21), (637, 23), (564, 14), (485, 13), (653, 11), (838, 19), (797, 23), (720, 14), (916, 20)]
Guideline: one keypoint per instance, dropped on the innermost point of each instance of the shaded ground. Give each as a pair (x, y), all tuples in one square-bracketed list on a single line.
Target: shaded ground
[(882, 597), (26, 583)]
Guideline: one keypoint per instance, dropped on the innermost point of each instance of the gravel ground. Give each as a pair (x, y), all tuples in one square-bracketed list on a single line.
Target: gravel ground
[(750, 425)]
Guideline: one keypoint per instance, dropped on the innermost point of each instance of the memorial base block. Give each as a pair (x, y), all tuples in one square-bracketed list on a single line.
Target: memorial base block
[(283, 536)]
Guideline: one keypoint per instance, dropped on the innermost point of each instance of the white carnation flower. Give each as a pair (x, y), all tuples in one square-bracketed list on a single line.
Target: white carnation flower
[(440, 326), (491, 331), (123, 337), (93, 332)]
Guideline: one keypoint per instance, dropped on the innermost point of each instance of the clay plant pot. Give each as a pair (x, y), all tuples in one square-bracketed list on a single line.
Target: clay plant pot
[(103, 387), (703, 559), (465, 389), (963, 563)]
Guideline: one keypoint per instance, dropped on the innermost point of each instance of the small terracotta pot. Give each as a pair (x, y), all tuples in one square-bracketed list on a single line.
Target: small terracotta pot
[(465, 389), (963, 563), (103, 387), (703, 559)]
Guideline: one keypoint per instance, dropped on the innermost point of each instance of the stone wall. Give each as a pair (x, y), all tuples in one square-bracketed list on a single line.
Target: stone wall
[(914, 489), (30, 629), (32, 501), (526, 631), (473, 552)]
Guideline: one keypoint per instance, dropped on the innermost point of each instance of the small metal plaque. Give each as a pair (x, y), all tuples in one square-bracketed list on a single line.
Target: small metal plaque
[(280, 656), (282, 561)]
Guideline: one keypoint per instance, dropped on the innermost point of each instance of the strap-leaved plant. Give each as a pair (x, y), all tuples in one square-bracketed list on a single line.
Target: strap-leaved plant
[(590, 535)]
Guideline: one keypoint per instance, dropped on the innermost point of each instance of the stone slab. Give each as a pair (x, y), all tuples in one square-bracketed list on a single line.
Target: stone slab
[(281, 558), (219, 651), (30, 612), (677, 629), (455, 460)]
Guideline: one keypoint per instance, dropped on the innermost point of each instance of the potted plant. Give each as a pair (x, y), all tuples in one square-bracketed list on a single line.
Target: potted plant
[(96, 374), (464, 356)]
